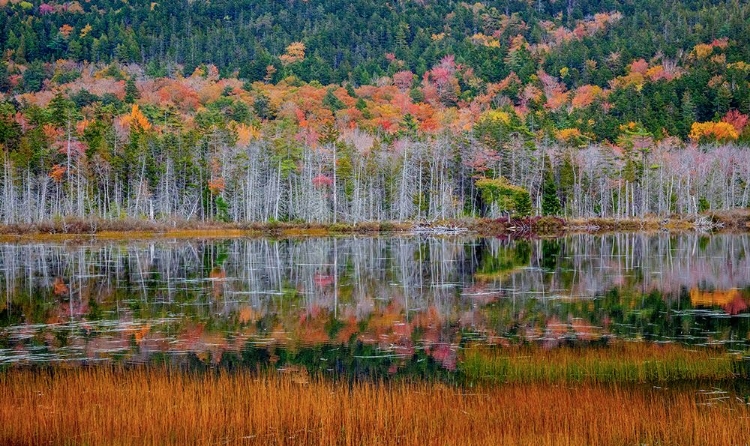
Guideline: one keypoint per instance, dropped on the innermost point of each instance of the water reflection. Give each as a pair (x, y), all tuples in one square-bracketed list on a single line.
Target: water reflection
[(393, 303)]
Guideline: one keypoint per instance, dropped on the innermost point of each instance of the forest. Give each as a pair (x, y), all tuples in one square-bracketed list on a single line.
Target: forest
[(351, 112)]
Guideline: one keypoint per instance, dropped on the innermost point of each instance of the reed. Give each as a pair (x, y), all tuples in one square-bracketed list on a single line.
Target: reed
[(96, 406), (618, 362)]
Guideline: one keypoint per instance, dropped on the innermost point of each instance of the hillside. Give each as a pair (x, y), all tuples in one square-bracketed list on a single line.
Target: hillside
[(361, 111)]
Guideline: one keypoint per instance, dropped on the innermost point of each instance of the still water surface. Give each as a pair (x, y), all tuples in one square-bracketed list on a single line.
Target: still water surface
[(367, 303)]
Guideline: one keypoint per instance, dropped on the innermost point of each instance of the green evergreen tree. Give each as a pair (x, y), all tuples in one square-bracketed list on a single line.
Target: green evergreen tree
[(131, 91), (350, 91), (4, 80), (62, 110), (331, 102), (723, 100), (689, 112), (409, 126), (523, 204), (34, 76), (550, 200), (262, 106)]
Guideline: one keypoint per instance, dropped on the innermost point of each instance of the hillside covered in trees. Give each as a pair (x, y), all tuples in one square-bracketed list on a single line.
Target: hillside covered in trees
[(334, 111)]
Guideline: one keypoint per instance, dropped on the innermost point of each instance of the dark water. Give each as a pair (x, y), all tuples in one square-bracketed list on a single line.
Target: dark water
[(369, 304)]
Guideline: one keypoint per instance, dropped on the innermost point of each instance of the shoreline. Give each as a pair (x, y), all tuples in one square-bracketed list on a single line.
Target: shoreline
[(735, 221)]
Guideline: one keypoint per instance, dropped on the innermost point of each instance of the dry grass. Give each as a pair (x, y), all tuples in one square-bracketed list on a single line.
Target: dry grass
[(154, 406), (174, 233), (649, 224), (83, 230), (618, 362), (735, 220)]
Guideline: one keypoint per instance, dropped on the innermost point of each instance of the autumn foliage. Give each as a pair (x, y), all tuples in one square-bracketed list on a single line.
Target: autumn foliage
[(295, 52), (736, 119), (57, 172), (136, 119), (510, 93), (713, 131)]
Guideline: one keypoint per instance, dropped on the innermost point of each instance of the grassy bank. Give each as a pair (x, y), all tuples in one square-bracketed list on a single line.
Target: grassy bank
[(618, 363), (153, 406), (737, 220), (143, 229)]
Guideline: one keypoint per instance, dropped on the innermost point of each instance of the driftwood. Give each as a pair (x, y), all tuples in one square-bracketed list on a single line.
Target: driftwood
[(706, 224), (426, 228)]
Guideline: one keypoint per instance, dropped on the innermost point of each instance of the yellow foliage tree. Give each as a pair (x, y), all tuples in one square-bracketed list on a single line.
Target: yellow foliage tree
[(137, 119), (85, 30), (702, 50), (713, 131), (570, 136), (497, 115), (245, 134)]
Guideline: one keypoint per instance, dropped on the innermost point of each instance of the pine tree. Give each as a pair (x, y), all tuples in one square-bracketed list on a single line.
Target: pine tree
[(262, 106), (550, 200), (523, 204), (331, 102), (689, 109), (350, 90), (131, 91), (4, 79), (723, 100)]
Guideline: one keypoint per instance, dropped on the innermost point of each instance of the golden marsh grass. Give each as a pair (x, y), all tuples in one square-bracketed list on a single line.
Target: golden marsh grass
[(105, 406), (618, 362)]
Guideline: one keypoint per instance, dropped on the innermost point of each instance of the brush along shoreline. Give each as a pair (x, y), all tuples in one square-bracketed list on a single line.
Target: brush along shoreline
[(730, 221)]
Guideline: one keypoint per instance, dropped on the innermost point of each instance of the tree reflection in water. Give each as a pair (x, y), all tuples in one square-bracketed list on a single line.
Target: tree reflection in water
[(389, 303)]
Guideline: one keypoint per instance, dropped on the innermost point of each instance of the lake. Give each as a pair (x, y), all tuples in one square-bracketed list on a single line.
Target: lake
[(371, 305)]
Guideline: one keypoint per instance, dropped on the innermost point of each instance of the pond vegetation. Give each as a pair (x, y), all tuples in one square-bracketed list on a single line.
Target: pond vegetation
[(156, 406)]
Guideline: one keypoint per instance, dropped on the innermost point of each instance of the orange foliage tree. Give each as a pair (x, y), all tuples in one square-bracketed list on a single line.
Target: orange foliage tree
[(295, 52), (136, 119), (713, 131)]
